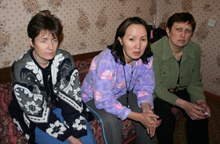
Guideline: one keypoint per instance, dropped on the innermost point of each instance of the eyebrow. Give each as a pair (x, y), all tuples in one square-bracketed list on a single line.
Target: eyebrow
[(135, 36)]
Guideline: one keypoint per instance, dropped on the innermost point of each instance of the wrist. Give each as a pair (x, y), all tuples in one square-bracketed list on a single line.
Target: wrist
[(181, 103), (145, 107)]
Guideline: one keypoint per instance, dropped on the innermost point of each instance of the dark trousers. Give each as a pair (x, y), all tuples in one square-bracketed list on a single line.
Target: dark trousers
[(196, 130), (112, 125)]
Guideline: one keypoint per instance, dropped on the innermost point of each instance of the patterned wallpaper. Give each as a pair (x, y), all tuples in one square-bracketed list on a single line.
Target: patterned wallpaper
[(90, 25)]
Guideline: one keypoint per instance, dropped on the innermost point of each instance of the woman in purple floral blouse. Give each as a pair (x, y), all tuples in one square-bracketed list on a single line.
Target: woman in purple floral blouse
[(120, 84)]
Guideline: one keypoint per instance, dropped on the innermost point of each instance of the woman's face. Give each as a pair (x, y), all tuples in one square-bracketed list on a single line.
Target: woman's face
[(45, 48), (180, 34), (134, 42)]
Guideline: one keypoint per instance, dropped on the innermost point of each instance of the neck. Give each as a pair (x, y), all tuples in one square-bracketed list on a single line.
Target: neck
[(130, 63), (177, 51), (42, 63), (177, 54)]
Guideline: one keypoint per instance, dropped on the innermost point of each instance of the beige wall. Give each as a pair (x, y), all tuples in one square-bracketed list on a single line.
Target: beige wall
[(90, 25)]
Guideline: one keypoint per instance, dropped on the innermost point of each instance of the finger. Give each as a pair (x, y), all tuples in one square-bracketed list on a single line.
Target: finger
[(148, 131), (159, 122), (154, 126), (152, 133), (197, 113), (152, 115), (155, 120)]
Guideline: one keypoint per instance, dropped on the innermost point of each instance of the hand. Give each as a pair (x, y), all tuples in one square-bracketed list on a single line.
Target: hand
[(204, 107), (194, 111), (154, 123), (74, 140), (146, 108), (151, 132)]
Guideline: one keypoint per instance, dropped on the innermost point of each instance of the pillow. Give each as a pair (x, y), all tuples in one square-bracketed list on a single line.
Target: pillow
[(8, 130)]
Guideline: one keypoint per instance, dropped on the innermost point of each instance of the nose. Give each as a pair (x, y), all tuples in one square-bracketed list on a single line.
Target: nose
[(183, 34), (138, 44), (50, 45)]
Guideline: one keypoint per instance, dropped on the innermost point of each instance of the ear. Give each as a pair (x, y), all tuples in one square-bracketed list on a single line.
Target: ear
[(120, 40), (31, 43), (168, 31)]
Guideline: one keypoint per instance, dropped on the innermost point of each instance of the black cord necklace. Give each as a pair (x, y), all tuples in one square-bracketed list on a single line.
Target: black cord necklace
[(127, 92)]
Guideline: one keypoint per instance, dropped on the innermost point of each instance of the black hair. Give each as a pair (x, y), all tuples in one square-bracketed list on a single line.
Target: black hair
[(44, 20), (181, 17), (117, 49)]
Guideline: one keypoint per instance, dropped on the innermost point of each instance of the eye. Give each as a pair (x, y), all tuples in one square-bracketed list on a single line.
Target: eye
[(189, 31), (55, 40), (144, 39), (131, 39), (178, 29)]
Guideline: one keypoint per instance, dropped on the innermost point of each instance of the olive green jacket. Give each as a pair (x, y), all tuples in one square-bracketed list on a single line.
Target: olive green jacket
[(167, 71)]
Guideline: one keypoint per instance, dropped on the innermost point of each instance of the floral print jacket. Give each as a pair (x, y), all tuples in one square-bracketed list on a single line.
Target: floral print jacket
[(106, 82), (29, 105)]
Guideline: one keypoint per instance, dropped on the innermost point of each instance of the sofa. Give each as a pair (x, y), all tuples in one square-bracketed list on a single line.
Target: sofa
[(8, 131), (9, 134)]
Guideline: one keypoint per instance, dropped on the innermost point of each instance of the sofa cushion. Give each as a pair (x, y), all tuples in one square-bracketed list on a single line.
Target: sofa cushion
[(83, 68), (8, 131)]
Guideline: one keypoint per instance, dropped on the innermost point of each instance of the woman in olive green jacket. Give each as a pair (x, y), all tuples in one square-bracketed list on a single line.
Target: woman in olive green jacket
[(178, 81)]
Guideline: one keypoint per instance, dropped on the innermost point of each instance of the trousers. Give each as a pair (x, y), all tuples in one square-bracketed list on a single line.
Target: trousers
[(196, 130), (112, 125)]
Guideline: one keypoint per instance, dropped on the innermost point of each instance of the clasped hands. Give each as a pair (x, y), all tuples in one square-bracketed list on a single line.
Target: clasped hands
[(150, 121), (198, 110)]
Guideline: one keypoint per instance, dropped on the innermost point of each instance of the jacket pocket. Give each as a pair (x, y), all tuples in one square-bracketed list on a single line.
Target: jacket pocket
[(166, 72)]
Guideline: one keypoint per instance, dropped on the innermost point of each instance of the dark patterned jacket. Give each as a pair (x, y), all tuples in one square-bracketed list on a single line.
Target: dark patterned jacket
[(29, 105)]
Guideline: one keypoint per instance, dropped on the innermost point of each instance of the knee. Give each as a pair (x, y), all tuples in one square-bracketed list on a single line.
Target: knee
[(111, 121)]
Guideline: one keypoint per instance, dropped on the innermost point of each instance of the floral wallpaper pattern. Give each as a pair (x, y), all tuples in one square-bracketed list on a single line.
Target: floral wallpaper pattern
[(187, 5), (102, 19), (202, 31), (91, 25), (83, 22), (4, 36), (31, 7)]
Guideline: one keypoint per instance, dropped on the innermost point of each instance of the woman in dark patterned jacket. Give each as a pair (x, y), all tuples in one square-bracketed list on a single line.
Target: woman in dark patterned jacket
[(47, 105)]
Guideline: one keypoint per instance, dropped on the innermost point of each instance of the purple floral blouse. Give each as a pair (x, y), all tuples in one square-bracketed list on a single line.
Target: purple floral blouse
[(106, 82)]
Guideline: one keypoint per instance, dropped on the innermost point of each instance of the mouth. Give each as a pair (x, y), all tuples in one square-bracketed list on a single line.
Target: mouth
[(49, 53), (136, 53), (182, 41)]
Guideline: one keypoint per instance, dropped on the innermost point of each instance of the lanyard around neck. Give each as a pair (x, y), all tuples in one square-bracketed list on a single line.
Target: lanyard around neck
[(127, 87)]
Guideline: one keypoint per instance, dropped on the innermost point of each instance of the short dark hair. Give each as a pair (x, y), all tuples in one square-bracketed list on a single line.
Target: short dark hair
[(117, 49), (181, 17), (44, 20)]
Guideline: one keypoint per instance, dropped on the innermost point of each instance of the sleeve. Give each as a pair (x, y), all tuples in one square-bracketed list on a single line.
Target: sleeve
[(18, 119), (160, 90), (195, 87), (70, 99), (145, 84), (72, 106), (104, 75)]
